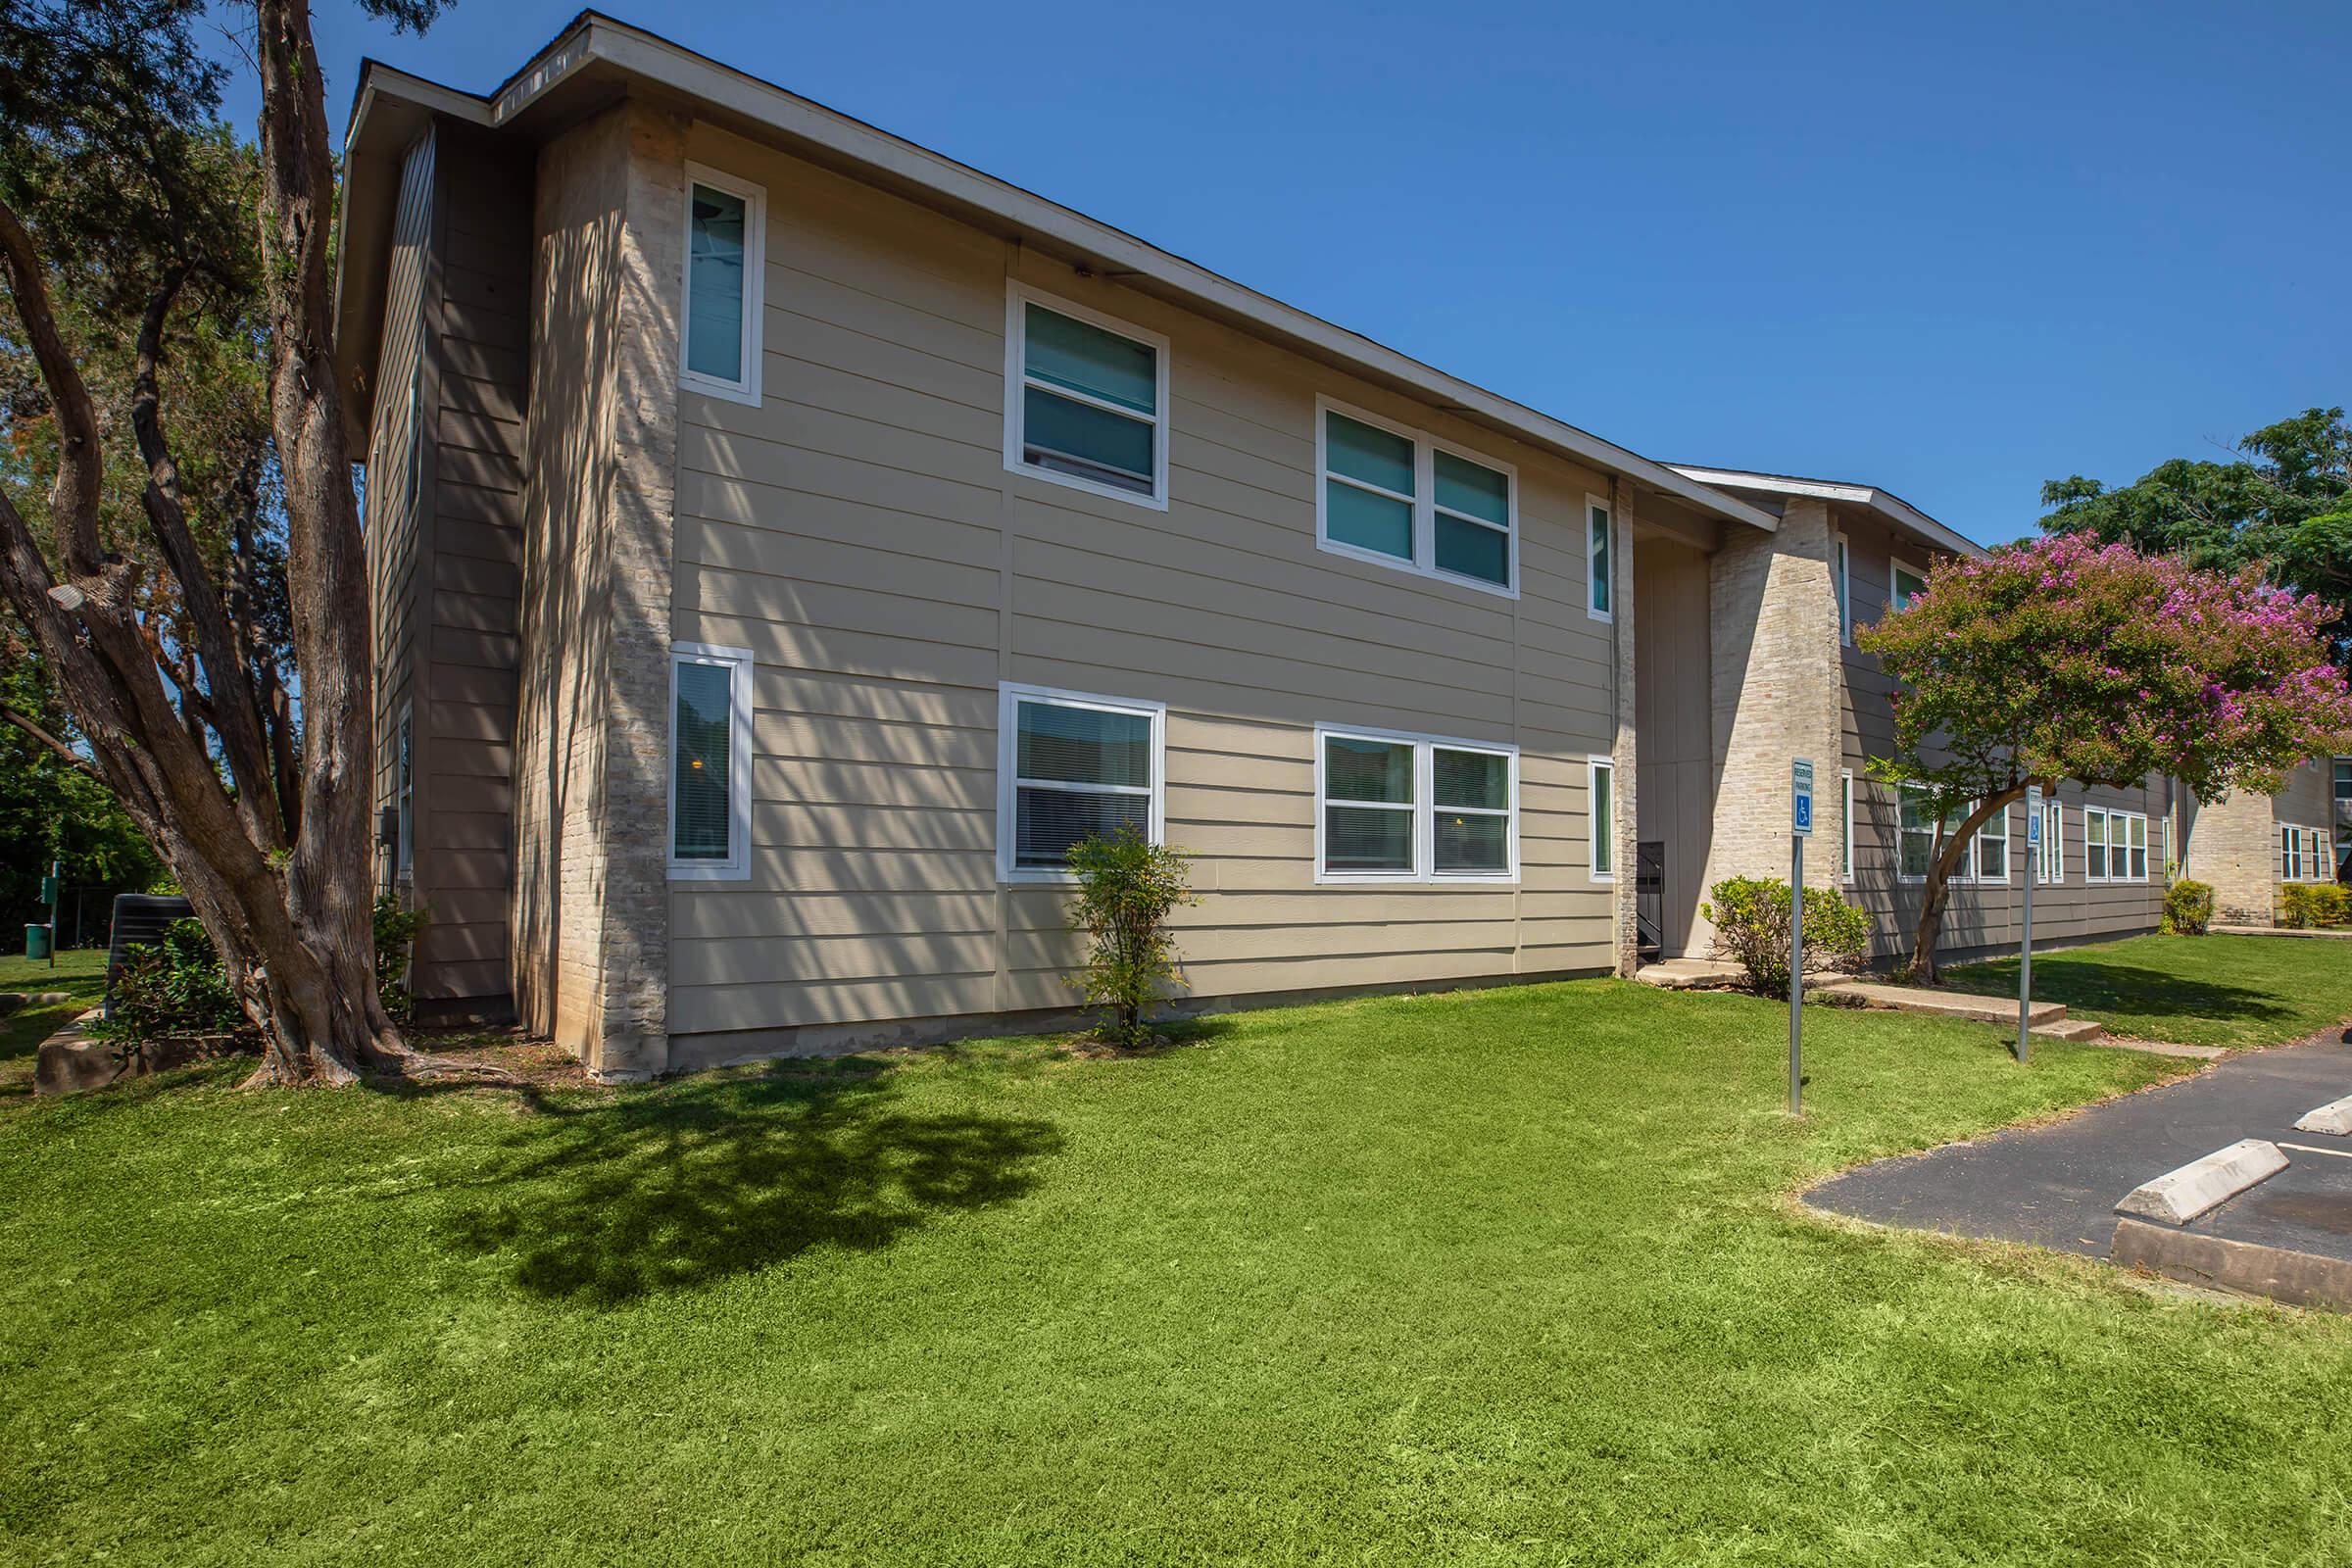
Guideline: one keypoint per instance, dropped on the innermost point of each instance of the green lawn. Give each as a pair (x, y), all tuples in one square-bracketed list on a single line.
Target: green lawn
[(2193, 991), (1498, 1277), (79, 972)]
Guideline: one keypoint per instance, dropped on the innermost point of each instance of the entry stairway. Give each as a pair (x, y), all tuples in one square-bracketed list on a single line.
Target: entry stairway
[(2045, 1020)]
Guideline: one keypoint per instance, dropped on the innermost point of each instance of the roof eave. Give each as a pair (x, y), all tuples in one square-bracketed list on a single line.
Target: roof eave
[(1893, 507)]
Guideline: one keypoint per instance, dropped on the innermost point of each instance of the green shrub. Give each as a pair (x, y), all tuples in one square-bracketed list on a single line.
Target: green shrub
[(396, 932), (2331, 904), (1751, 917), (2298, 910), (2188, 907), (175, 987), (1127, 887)]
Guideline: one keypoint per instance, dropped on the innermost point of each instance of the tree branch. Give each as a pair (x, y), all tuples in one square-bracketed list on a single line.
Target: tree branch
[(57, 748), (80, 465)]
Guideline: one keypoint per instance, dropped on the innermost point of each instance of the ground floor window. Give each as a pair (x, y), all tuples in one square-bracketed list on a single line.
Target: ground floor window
[(1993, 848), (2115, 845), (1845, 861), (1600, 802), (2049, 863), (405, 780), (2306, 854), (1072, 766), (1398, 807), (710, 756)]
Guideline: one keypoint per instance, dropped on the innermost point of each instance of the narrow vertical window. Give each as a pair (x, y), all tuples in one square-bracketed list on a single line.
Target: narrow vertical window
[(2094, 845), (2049, 866), (1368, 800), (1598, 555), (1601, 801), (403, 764), (709, 757), (725, 249), (2135, 844), (1073, 767), (1086, 400), (1846, 862), (2290, 855), (1840, 569)]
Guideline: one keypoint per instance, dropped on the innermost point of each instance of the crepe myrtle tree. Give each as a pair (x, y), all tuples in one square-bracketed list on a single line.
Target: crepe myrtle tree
[(114, 166), (2064, 660)]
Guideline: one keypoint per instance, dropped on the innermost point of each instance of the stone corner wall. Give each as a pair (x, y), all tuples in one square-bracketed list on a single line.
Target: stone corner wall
[(2233, 846), (1776, 693), (590, 916), (1624, 743)]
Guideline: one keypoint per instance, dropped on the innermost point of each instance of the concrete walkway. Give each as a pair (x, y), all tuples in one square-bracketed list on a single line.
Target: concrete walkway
[(2277, 931), (2057, 1186), (2045, 1020)]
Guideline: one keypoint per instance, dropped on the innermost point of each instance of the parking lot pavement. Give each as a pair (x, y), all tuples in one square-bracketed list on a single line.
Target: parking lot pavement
[(2057, 1186)]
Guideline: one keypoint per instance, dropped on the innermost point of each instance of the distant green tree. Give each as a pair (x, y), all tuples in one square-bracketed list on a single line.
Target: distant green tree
[(51, 810), (2285, 507)]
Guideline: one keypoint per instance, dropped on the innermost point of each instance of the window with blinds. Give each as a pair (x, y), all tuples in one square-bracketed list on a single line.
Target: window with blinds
[(1086, 400), (1393, 807), (1074, 766), (709, 781)]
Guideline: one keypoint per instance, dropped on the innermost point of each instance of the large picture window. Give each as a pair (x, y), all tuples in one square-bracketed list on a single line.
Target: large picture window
[(1394, 495), (1072, 766), (727, 223), (1086, 399), (710, 756), (1393, 807)]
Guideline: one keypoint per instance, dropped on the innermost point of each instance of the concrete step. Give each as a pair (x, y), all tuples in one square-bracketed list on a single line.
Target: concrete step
[(2076, 1030), (1947, 1003)]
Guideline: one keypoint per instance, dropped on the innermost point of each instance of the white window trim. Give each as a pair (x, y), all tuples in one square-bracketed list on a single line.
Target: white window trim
[(2106, 847), (1016, 330), (1976, 850), (742, 665), (2314, 853), (1841, 588), (2112, 817), (1964, 874), (1425, 500), (1895, 563), (1600, 503), (403, 794), (1009, 697), (1593, 765), (1424, 809), (2052, 860), (755, 273), (1845, 867)]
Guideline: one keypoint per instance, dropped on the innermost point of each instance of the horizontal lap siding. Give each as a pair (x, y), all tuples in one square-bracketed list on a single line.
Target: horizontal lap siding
[(859, 533), (1978, 914)]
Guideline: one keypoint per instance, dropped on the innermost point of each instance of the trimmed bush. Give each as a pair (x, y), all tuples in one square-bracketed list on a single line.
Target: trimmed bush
[(2188, 907), (1127, 887), (2298, 910), (174, 988), (1751, 917), (2331, 904)]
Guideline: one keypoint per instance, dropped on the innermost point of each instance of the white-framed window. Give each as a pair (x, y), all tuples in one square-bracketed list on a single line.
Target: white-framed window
[(2049, 864), (1086, 399), (1401, 496), (1991, 849), (1069, 766), (2115, 845), (726, 258), (1841, 578), (2323, 858), (1601, 560), (2343, 778), (1915, 830), (1905, 581), (709, 762), (404, 781), (1601, 811), (1846, 862), (1392, 807), (2306, 854)]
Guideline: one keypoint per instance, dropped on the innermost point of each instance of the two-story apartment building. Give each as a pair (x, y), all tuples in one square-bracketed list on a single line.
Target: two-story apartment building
[(786, 541)]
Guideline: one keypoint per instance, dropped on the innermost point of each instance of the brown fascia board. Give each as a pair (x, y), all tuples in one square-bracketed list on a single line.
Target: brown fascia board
[(597, 61), (1900, 513)]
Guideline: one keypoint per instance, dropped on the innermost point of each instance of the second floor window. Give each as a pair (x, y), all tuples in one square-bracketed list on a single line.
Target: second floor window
[(719, 329), (1392, 494), (1086, 401)]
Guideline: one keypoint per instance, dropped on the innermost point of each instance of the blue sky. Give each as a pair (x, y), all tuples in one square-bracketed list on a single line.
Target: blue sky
[(1953, 250)]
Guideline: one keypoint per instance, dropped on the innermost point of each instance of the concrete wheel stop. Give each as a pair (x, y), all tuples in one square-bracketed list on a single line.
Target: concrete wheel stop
[(2179, 1195)]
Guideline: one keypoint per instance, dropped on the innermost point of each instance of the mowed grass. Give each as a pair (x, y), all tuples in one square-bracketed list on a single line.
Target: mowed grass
[(2193, 991), (1500, 1277), (79, 972)]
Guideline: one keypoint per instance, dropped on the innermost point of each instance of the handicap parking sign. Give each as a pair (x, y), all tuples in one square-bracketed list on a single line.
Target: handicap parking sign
[(1801, 784)]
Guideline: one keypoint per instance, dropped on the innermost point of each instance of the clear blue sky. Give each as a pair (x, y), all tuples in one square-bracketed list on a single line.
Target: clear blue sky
[(1953, 250)]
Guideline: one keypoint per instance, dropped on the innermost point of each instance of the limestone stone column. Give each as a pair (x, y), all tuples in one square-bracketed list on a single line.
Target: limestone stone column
[(1623, 742)]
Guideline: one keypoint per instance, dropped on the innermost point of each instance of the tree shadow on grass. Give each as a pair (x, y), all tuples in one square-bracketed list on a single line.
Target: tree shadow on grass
[(666, 1190), (2119, 988)]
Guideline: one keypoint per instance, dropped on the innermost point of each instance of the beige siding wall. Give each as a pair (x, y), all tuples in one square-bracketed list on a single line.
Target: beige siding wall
[(860, 532), (1672, 664), (1979, 916)]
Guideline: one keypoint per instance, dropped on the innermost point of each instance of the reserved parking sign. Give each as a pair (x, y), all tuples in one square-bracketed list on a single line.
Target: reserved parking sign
[(1801, 798)]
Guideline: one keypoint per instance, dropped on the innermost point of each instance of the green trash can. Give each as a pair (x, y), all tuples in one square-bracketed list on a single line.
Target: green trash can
[(37, 941)]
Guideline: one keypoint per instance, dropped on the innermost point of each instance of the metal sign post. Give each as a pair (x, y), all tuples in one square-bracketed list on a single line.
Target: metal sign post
[(1800, 828), (2025, 957)]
